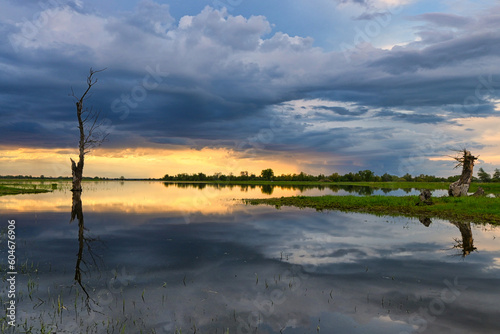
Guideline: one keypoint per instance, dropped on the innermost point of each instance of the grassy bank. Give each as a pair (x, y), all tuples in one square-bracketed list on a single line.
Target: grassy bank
[(469, 209)]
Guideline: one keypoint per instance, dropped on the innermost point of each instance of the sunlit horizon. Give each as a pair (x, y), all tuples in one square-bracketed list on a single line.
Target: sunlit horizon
[(144, 163), (136, 162)]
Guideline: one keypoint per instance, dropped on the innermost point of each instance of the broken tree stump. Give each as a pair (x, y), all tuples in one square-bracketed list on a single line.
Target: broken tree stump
[(461, 187), (479, 192), (425, 197)]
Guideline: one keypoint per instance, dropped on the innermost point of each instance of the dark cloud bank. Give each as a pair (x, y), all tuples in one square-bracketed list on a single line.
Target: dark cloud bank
[(217, 80)]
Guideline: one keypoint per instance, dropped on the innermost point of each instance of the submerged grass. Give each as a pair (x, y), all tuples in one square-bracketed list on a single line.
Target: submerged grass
[(471, 209)]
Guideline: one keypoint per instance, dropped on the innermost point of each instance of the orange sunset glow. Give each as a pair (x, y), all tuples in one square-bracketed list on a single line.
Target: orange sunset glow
[(138, 162)]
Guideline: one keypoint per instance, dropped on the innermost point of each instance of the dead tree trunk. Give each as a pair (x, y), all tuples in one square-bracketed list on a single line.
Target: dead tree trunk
[(89, 135), (425, 197), (77, 172), (77, 169), (461, 187)]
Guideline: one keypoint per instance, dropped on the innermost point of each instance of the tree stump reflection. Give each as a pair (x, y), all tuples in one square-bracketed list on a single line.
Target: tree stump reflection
[(466, 244)]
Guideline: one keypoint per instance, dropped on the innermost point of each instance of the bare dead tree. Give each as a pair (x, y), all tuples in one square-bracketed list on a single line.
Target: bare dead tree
[(90, 134), (465, 160)]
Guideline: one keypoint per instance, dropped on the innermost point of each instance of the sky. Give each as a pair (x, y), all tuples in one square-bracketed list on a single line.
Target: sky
[(319, 86)]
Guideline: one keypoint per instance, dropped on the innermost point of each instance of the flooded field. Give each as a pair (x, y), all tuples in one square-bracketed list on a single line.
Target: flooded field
[(149, 257)]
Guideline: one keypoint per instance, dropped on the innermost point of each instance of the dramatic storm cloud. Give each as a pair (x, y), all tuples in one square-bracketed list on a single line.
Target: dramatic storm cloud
[(390, 86)]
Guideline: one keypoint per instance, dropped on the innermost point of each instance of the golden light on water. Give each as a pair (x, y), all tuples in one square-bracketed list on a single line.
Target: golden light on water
[(140, 197)]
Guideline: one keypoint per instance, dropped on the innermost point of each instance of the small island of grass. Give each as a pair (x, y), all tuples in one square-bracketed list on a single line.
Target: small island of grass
[(9, 190), (463, 209)]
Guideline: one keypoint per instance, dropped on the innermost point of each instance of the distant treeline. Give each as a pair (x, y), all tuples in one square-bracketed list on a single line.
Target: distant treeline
[(268, 175), (38, 177), (42, 177)]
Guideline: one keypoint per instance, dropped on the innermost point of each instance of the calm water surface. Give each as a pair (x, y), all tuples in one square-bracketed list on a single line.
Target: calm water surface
[(156, 258)]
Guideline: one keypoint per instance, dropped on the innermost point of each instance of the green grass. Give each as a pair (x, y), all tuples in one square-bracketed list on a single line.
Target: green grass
[(15, 190), (470, 209)]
